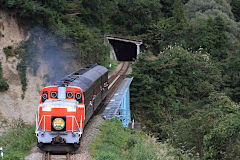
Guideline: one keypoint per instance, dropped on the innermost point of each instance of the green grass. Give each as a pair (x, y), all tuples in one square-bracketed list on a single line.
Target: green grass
[(114, 142), (112, 64), (18, 141)]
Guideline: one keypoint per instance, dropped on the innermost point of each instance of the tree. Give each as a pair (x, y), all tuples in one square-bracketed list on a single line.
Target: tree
[(168, 7), (191, 134), (210, 36), (164, 87), (135, 16), (91, 48), (188, 133), (223, 142), (232, 78), (99, 13), (236, 9), (168, 31), (58, 5), (204, 9), (178, 12)]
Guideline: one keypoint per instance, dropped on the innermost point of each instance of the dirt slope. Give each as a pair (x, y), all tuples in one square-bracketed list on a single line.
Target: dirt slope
[(11, 103)]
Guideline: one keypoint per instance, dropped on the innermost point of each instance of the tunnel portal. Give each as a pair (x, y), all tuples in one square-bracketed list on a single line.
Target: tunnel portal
[(124, 49)]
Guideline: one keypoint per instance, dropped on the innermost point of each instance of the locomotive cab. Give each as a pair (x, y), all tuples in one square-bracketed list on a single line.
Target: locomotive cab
[(60, 118)]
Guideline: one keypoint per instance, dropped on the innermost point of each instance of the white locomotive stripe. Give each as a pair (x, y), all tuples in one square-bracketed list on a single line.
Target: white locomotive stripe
[(81, 106)]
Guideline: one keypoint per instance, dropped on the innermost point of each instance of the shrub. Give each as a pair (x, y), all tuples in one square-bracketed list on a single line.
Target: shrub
[(18, 141), (232, 78), (107, 156), (223, 142), (114, 142), (3, 85), (3, 82), (22, 69), (213, 8), (236, 9), (171, 81), (208, 35), (8, 51)]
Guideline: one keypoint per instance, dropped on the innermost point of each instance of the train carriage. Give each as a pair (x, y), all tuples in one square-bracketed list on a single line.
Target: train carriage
[(66, 107)]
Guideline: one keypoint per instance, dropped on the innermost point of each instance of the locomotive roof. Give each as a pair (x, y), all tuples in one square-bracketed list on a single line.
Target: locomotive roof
[(84, 77)]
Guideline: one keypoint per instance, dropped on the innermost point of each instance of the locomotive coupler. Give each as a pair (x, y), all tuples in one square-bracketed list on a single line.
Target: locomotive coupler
[(58, 139)]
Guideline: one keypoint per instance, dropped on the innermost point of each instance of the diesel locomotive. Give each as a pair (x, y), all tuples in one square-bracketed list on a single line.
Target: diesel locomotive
[(66, 107)]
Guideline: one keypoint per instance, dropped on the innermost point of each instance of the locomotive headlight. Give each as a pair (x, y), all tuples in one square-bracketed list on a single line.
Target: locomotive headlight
[(58, 124), (47, 108), (71, 108)]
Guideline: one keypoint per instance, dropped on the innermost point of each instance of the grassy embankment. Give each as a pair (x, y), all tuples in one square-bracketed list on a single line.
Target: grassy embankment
[(114, 142), (18, 140)]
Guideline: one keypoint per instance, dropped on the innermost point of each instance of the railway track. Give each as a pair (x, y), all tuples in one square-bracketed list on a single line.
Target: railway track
[(111, 79), (114, 82), (49, 156)]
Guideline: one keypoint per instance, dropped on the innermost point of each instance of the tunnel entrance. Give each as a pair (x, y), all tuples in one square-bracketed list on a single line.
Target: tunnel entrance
[(124, 49)]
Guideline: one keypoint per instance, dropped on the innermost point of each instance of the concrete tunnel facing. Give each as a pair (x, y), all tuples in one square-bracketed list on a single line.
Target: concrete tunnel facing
[(124, 49)]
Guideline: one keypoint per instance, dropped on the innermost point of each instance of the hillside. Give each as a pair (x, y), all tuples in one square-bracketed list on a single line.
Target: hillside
[(114, 142), (11, 103), (186, 85)]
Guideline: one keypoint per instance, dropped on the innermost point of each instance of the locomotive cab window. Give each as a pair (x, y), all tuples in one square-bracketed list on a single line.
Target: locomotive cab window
[(44, 96), (78, 97), (53, 94), (69, 94)]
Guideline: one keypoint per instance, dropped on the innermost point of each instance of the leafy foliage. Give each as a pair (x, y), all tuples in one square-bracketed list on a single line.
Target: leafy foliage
[(3, 82), (114, 142), (176, 92), (210, 36), (27, 53), (91, 48), (232, 78), (214, 8), (18, 140), (236, 9), (223, 141), (174, 95), (122, 16), (169, 31), (175, 78), (194, 129), (22, 69), (8, 51)]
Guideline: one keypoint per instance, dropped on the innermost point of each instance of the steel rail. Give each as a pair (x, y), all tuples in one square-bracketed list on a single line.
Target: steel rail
[(111, 79), (118, 77)]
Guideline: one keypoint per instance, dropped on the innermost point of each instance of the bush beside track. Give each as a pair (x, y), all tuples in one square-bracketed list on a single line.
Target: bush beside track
[(18, 141), (114, 142)]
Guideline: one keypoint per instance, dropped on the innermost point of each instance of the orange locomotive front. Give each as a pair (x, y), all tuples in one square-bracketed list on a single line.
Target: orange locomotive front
[(66, 106), (61, 115)]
